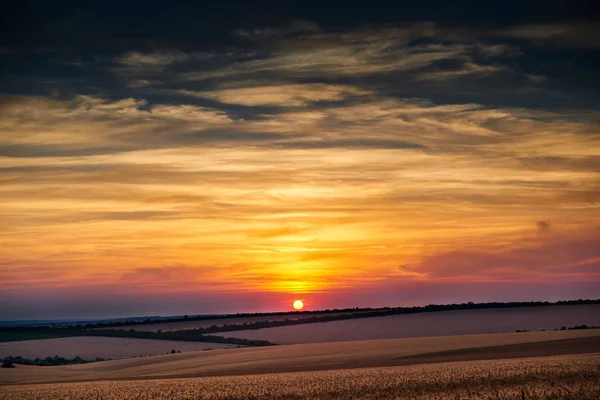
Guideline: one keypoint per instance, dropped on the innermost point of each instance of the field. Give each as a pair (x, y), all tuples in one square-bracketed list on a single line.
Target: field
[(105, 347), (172, 326), (317, 356), (460, 322), (563, 377), (563, 364)]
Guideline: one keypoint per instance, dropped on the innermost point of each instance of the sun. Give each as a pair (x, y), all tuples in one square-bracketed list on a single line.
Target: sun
[(298, 305)]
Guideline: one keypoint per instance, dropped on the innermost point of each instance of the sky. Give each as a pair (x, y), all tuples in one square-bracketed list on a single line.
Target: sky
[(213, 157)]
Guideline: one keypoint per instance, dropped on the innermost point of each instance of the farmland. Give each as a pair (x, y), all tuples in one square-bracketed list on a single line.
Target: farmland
[(560, 363), (460, 322), (105, 347), (573, 377), (317, 356), (209, 324), (180, 325)]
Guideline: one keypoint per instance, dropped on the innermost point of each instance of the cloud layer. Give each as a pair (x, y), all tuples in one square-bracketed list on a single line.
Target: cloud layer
[(303, 157)]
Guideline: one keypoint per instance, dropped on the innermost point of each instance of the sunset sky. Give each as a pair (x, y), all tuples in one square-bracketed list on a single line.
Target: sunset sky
[(226, 157)]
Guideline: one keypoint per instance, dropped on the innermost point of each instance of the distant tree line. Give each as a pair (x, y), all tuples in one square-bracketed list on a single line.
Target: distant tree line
[(7, 362), (368, 313), (18, 333), (577, 327), (187, 335), (10, 334), (565, 328), (346, 313), (203, 334)]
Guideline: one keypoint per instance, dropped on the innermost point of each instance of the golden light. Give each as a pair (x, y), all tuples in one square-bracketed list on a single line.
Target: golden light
[(298, 305)]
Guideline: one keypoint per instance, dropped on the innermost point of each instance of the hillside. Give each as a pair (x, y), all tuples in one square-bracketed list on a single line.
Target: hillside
[(311, 357), (458, 322), (89, 348), (564, 377)]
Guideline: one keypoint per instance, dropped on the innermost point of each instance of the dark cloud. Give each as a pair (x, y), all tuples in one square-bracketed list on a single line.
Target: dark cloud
[(349, 143), (69, 23), (567, 35), (121, 51), (294, 27), (543, 227), (40, 150), (576, 163)]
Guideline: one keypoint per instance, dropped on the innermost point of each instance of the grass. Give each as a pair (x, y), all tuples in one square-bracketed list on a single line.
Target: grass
[(564, 377)]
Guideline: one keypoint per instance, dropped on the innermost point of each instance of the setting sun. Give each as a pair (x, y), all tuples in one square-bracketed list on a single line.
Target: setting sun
[(298, 305)]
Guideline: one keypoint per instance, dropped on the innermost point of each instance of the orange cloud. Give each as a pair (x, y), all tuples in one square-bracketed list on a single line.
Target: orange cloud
[(300, 201)]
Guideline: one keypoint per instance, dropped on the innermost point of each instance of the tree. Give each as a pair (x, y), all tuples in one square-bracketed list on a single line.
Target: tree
[(7, 363)]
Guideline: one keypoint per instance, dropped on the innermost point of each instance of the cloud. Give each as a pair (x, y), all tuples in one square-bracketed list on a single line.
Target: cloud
[(543, 227), (297, 200), (158, 58), (569, 35), (223, 151), (349, 143), (571, 256), (87, 125), (293, 27), (467, 69), (291, 95), (353, 54)]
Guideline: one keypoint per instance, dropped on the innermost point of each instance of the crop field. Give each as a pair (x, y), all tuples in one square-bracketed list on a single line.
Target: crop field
[(564, 377), (105, 347), (173, 326), (317, 356), (460, 322)]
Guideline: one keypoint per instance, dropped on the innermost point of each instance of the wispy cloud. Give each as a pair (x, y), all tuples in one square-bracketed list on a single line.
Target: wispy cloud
[(158, 58), (363, 52), (569, 35), (293, 27), (345, 59), (298, 197), (293, 156), (467, 69), (286, 95)]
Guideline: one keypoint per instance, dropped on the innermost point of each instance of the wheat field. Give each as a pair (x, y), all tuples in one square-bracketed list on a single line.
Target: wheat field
[(560, 377)]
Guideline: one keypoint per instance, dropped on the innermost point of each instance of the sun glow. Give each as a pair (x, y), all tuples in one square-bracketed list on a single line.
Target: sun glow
[(298, 305)]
